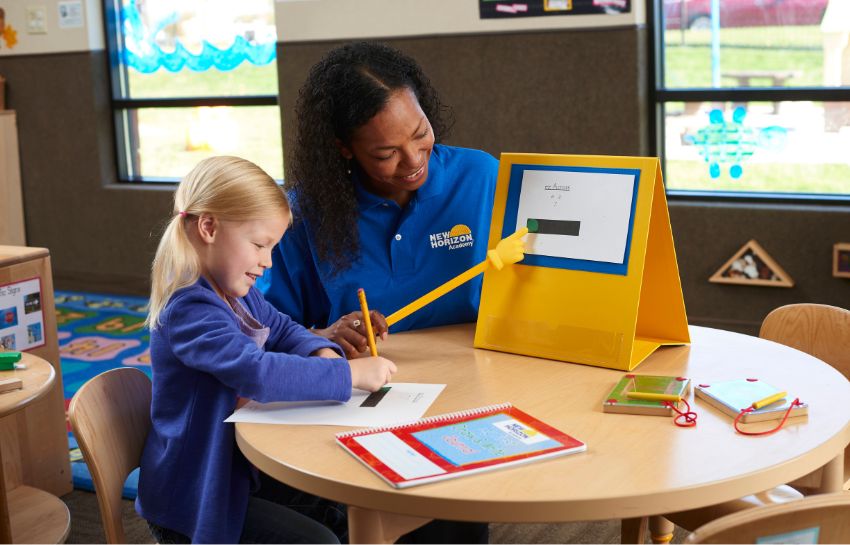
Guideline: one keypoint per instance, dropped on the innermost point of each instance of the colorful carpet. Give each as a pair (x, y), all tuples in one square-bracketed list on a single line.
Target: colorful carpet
[(98, 333)]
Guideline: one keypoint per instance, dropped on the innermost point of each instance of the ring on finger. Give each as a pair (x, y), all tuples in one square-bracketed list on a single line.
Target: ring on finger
[(355, 323)]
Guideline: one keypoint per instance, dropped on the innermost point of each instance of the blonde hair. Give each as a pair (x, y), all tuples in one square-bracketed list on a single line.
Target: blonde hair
[(228, 188)]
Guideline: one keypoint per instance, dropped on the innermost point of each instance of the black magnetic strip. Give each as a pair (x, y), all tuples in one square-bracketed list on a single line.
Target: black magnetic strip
[(375, 397), (556, 227)]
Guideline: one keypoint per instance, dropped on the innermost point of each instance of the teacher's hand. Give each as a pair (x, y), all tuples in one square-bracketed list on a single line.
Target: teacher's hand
[(349, 332)]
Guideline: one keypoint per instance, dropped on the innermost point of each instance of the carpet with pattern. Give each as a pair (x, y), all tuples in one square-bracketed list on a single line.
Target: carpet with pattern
[(98, 332)]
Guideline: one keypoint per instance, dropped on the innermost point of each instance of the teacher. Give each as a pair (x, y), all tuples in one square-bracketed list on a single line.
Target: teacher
[(379, 203)]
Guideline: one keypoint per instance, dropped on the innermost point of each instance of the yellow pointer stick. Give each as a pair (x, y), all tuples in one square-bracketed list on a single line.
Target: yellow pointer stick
[(649, 396), (769, 399), (370, 334), (508, 251)]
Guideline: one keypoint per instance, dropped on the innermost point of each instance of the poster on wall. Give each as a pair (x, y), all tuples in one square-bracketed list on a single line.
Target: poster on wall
[(70, 14), (21, 315), (495, 9)]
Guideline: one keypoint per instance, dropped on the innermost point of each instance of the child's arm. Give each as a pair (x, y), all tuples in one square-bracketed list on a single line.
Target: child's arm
[(366, 373), (201, 332)]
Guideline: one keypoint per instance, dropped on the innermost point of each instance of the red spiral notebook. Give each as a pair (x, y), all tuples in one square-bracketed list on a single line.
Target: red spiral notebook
[(455, 444)]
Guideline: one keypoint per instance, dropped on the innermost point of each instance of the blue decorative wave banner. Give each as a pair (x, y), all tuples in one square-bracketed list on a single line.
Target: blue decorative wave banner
[(142, 53), (210, 56)]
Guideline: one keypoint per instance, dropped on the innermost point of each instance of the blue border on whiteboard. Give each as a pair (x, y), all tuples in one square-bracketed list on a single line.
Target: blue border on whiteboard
[(512, 207)]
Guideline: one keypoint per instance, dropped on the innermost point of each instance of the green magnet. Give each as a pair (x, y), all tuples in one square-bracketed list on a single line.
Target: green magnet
[(8, 359)]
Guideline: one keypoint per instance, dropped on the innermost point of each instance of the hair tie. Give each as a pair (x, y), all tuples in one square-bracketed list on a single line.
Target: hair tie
[(182, 214)]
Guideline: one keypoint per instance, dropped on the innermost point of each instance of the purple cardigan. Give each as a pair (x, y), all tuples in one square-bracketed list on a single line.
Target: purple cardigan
[(193, 479)]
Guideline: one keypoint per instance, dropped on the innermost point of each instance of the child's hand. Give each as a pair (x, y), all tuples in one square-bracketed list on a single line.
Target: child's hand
[(371, 373), (349, 332)]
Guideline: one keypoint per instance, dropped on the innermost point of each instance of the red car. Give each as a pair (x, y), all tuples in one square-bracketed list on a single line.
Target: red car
[(743, 13)]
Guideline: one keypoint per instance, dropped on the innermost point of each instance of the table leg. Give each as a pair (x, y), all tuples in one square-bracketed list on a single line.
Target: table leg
[(369, 526), (660, 529), (832, 479), (633, 530), (5, 522)]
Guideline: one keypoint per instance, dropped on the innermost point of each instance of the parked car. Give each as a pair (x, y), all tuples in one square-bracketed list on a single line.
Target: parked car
[(743, 13)]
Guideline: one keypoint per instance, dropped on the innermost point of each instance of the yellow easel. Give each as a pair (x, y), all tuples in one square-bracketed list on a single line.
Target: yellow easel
[(583, 310)]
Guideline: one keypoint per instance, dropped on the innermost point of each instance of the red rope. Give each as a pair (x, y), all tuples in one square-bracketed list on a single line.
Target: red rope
[(795, 403), (689, 418)]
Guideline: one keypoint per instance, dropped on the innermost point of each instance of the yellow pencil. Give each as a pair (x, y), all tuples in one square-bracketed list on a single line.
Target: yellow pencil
[(769, 399), (649, 396), (370, 335)]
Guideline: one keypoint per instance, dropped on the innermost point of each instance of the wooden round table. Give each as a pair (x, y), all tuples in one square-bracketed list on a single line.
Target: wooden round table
[(27, 514), (634, 466)]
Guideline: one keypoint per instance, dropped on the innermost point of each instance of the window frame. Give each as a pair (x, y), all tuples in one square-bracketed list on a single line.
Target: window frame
[(660, 95), (122, 108)]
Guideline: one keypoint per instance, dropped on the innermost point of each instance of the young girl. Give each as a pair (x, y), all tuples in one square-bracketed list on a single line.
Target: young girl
[(215, 339)]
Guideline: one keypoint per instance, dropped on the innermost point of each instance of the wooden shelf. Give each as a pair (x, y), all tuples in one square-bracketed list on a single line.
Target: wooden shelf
[(37, 516), (28, 514), (12, 230)]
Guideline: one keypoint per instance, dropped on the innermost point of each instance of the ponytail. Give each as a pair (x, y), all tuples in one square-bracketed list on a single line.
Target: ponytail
[(175, 266)]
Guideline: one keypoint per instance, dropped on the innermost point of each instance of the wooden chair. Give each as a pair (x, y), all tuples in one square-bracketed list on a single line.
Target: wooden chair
[(824, 332), (816, 519), (110, 416), (820, 330)]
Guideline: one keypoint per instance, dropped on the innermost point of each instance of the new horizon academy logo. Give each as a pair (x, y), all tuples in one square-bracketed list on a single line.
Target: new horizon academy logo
[(460, 236)]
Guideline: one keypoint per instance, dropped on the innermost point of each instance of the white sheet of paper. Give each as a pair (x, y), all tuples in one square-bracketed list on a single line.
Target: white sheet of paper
[(404, 402), (601, 201)]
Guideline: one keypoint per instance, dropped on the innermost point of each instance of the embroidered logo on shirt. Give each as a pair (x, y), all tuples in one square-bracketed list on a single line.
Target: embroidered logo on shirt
[(460, 236)]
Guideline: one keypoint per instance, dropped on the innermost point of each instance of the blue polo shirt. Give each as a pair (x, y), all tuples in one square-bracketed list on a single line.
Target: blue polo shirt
[(405, 252)]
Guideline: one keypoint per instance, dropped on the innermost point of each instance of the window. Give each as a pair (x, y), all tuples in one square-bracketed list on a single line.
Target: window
[(753, 97), (192, 79)]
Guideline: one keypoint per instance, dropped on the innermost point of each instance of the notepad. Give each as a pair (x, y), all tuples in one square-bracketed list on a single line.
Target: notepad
[(455, 444), (618, 400), (732, 396)]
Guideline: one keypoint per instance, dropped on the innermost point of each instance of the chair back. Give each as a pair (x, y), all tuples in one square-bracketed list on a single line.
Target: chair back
[(110, 416), (815, 519), (820, 330), (824, 332)]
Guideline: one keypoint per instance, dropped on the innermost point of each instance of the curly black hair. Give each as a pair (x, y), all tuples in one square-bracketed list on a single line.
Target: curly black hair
[(344, 90)]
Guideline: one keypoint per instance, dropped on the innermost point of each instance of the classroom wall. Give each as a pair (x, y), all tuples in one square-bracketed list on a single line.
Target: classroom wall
[(80, 31), (328, 20), (557, 90), (503, 101), (798, 237), (98, 232)]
